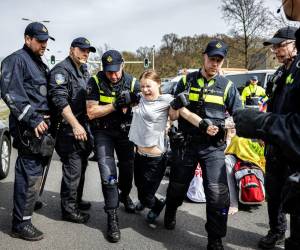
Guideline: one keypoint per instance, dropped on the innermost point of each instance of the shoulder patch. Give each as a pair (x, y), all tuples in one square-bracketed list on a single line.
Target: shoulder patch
[(59, 78)]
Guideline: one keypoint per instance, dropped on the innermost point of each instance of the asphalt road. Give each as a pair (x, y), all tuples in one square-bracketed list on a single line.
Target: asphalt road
[(244, 228)]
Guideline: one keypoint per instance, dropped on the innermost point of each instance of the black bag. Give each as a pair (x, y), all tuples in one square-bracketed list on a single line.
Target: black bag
[(43, 145)]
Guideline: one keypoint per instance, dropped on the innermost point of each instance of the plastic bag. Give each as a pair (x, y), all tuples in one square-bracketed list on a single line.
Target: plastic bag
[(196, 190)]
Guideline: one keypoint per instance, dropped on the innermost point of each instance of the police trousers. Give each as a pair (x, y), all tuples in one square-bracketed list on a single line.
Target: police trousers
[(107, 142), (28, 176), (74, 163), (276, 175), (212, 162), (148, 173)]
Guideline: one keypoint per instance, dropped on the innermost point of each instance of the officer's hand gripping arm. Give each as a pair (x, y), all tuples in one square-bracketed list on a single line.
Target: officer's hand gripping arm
[(181, 100), (120, 102)]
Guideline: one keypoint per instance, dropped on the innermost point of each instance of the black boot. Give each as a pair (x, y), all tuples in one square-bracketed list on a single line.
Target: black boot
[(271, 240), (113, 231), (215, 244), (84, 205), (170, 218), (155, 210), (28, 232), (77, 216), (128, 204), (139, 206)]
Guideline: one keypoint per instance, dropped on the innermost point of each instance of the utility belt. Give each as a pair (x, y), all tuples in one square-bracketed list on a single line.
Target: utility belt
[(203, 138), (99, 124)]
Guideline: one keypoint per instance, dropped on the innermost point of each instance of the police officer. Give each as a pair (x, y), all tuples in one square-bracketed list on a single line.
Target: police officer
[(252, 93), (67, 90), (24, 90), (110, 94), (279, 127), (210, 95)]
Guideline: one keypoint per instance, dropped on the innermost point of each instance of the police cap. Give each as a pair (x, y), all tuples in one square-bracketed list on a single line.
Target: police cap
[(254, 78), (83, 43), (283, 34), (112, 61), (216, 48), (38, 31)]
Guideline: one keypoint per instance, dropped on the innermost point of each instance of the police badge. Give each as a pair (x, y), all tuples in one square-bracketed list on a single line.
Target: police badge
[(59, 78)]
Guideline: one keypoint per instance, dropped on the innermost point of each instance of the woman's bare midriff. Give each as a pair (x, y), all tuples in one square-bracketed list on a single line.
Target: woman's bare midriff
[(149, 150)]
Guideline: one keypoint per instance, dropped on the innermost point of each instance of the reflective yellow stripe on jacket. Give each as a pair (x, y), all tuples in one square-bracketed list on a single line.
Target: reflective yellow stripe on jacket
[(103, 98), (110, 99), (208, 98)]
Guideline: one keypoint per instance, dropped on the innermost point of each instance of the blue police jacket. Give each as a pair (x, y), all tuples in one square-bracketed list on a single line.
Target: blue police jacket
[(67, 86), (24, 89), (283, 129)]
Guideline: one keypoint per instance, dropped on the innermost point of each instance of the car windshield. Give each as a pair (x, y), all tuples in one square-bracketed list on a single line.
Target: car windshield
[(241, 80)]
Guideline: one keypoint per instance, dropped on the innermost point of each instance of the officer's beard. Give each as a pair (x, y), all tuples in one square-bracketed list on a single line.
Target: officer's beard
[(78, 60), (81, 60), (290, 58)]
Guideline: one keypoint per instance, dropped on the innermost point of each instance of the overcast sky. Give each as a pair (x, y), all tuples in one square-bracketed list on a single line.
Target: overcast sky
[(122, 24)]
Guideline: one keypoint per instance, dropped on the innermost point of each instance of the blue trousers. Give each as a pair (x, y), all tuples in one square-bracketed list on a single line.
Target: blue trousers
[(28, 176)]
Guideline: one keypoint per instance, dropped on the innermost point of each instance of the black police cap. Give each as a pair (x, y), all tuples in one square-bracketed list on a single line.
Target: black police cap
[(83, 43), (38, 31), (216, 48), (283, 34), (112, 61)]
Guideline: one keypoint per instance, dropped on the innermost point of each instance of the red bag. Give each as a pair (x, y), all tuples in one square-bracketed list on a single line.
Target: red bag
[(250, 182)]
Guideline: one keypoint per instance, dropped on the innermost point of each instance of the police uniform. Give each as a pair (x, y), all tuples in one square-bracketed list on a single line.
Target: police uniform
[(280, 128), (67, 86), (210, 100), (252, 94), (111, 135), (24, 90)]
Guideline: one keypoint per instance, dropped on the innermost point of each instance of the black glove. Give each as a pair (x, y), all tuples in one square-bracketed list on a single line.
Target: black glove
[(250, 123), (176, 138), (182, 100), (120, 102), (203, 125), (135, 98)]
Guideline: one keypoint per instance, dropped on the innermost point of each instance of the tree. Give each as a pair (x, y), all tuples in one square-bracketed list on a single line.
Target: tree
[(250, 19), (143, 52), (170, 43)]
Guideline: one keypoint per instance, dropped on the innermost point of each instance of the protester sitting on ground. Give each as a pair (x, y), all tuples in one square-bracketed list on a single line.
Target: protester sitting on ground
[(247, 150)]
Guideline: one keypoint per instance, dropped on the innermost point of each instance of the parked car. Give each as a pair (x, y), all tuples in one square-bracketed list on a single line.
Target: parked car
[(168, 87), (241, 79), (5, 150)]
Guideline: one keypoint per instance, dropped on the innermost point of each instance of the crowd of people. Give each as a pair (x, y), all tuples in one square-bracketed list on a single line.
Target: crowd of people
[(113, 112)]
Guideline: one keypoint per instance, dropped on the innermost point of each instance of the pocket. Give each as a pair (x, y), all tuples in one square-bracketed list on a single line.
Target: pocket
[(64, 145)]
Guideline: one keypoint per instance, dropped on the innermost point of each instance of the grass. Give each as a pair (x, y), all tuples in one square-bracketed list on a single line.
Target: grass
[(4, 111)]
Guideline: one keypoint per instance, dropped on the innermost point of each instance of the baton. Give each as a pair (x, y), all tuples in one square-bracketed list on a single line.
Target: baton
[(47, 166)]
